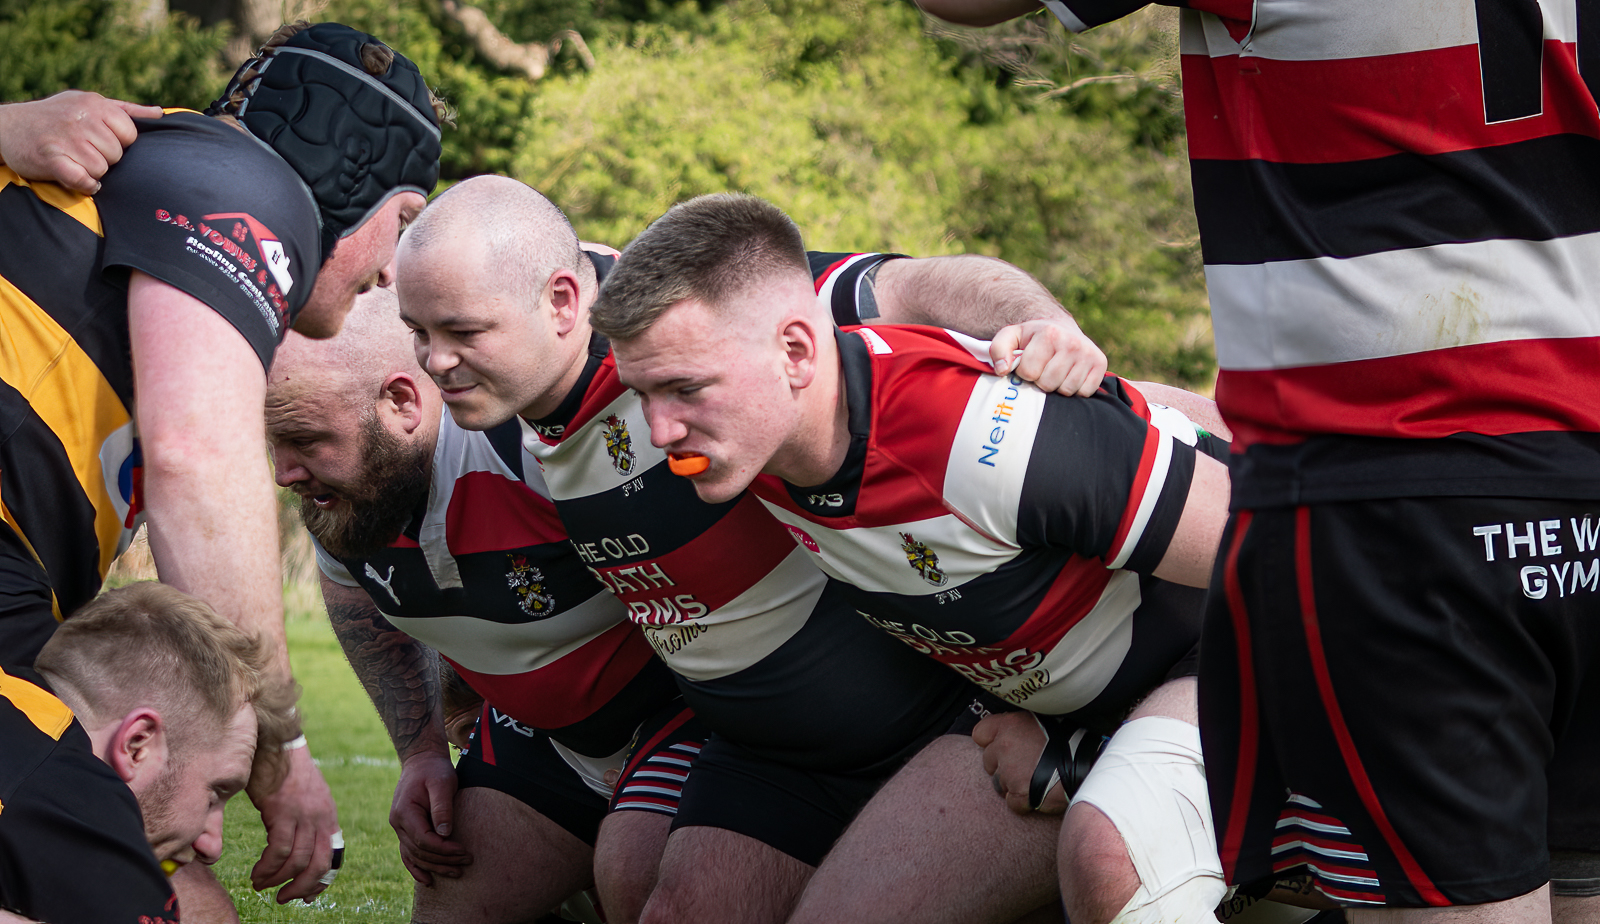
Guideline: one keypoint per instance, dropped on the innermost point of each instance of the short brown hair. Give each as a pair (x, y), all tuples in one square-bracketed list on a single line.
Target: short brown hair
[(148, 644), (709, 249)]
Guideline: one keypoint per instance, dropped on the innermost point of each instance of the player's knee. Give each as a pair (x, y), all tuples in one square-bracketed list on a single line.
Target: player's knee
[(1140, 834), (669, 903)]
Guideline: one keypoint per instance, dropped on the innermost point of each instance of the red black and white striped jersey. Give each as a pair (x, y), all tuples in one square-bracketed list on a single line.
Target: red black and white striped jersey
[(1401, 228), (768, 651), (484, 575), (1001, 530)]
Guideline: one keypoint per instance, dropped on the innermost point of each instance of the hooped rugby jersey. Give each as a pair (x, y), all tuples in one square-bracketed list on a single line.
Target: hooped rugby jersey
[(173, 208), (1400, 222), (73, 848), (1005, 532), (484, 575), (767, 650)]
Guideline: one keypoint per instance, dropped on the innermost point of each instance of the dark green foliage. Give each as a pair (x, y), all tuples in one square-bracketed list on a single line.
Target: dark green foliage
[(93, 44)]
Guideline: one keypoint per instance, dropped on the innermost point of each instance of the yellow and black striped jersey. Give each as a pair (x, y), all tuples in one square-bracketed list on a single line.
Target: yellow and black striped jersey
[(72, 840), (194, 203)]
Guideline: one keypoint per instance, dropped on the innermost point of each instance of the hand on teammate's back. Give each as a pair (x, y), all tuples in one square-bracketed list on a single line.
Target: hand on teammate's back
[(71, 138), (1051, 353)]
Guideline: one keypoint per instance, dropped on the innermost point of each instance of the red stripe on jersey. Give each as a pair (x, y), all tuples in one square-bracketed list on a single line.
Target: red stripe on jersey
[(1515, 386), (403, 541), (1347, 109), (1071, 596), (1303, 815), (1249, 727), (716, 566), (489, 513), (1141, 484), (573, 687), (822, 279), (485, 723), (646, 750), (1341, 732), (604, 388), (927, 365)]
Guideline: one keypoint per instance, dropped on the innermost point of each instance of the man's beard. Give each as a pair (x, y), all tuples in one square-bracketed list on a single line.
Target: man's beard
[(378, 503)]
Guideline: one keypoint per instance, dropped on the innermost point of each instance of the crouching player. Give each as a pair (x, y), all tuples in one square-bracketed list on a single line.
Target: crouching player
[(1051, 549), (430, 534), (143, 715)]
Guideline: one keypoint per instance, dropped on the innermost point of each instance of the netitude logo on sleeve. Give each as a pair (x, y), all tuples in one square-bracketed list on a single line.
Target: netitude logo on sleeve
[(619, 445), (528, 584), (922, 558)]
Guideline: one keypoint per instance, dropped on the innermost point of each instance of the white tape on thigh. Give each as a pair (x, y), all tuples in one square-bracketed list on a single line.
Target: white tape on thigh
[(1150, 782)]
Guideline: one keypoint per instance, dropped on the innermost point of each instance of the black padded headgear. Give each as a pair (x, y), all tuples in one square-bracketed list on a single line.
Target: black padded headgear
[(355, 138)]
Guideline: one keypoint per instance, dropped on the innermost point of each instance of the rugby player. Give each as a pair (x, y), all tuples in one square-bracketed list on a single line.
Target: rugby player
[(145, 715), (174, 282), (810, 707), (428, 534), (1398, 219), (1053, 550)]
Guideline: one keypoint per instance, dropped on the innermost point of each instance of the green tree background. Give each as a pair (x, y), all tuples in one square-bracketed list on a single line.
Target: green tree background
[(874, 127)]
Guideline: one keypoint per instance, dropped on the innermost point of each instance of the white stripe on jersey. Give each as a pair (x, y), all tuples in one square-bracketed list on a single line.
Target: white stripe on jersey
[(1312, 312), (979, 349), (512, 648), (1316, 30), (585, 467), (874, 559), (1147, 503), (1080, 666), (747, 628), (825, 291), (331, 567), (983, 480)]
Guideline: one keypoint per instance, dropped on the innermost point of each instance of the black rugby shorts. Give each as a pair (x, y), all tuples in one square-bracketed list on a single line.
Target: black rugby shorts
[(519, 760), (1403, 695)]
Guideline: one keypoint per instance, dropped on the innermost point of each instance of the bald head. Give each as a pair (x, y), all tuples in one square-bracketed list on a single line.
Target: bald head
[(372, 345), (499, 231)]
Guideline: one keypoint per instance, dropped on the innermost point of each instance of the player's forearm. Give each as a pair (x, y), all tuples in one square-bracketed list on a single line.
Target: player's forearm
[(198, 393), (1198, 408), (214, 530), (971, 294), (400, 674)]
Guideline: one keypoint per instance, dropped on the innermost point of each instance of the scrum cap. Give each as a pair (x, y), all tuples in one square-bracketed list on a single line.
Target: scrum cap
[(355, 138)]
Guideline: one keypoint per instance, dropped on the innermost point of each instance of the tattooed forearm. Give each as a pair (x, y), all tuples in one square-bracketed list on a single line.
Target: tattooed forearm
[(400, 674)]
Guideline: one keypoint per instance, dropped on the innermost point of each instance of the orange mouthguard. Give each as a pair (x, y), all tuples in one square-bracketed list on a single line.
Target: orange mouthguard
[(687, 463)]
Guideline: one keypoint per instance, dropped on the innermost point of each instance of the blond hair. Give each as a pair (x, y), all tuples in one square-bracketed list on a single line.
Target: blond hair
[(148, 644)]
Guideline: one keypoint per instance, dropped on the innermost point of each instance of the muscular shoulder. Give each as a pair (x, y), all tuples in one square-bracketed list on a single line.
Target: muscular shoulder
[(213, 212)]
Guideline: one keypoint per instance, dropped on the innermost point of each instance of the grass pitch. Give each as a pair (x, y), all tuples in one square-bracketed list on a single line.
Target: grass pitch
[(349, 743)]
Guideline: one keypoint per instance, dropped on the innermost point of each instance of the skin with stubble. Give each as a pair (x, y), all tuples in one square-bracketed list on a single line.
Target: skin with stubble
[(498, 301), (751, 386), (359, 477)]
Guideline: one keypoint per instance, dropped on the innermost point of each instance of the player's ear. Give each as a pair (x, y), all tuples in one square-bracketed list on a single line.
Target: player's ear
[(402, 398), (801, 348), (138, 749), (563, 293)]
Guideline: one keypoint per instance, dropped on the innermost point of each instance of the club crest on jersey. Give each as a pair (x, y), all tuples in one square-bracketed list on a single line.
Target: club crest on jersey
[(619, 445), (922, 558), (528, 584)]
